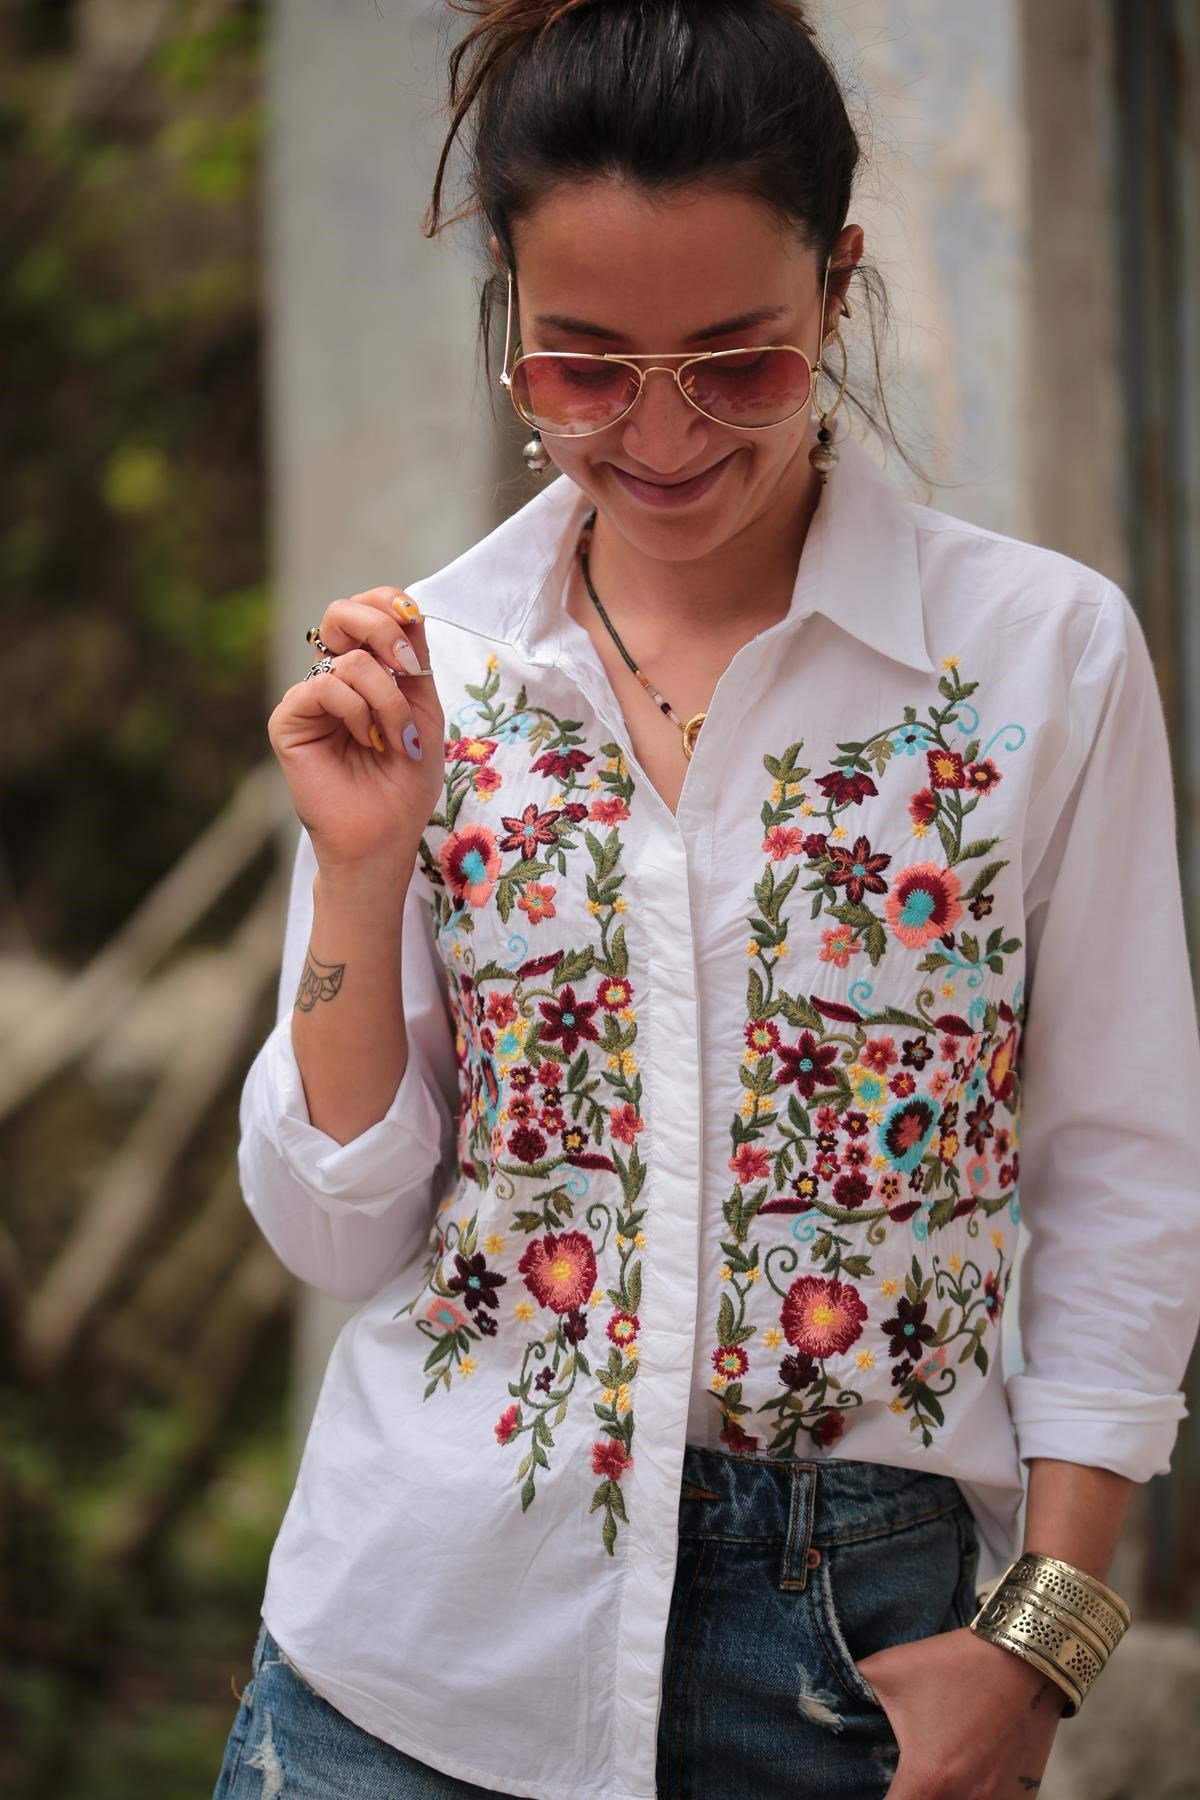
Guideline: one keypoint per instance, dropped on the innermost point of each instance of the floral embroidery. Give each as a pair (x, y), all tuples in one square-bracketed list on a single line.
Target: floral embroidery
[(551, 1093), (855, 1123)]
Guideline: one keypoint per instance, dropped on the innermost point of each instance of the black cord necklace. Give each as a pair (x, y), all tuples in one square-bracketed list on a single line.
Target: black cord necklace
[(690, 728)]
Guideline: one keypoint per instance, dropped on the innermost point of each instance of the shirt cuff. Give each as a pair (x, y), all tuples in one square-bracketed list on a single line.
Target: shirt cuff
[(1121, 1429), (401, 1149)]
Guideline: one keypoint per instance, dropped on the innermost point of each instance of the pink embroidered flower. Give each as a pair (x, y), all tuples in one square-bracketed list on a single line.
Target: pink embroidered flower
[(625, 1122), (888, 1187), (931, 1364), (507, 1423), (537, 901), (470, 863), (977, 1171), (609, 1458), (608, 811), (822, 1317), (750, 1162), (445, 1315), (923, 904), (559, 1270), (939, 1085), (488, 780), (783, 840), (730, 1360), (838, 945)]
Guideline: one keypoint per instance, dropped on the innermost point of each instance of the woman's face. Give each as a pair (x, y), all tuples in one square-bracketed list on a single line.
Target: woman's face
[(603, 266)]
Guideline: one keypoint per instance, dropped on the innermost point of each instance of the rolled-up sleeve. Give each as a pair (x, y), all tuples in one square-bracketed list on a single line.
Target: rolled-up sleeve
[(1109, 1288), (345, 1217)]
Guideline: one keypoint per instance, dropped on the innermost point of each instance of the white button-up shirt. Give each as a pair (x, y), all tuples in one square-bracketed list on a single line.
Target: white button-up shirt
[(717, 1127)]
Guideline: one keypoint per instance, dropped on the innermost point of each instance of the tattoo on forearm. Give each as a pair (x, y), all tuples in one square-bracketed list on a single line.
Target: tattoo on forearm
[(320, 981)]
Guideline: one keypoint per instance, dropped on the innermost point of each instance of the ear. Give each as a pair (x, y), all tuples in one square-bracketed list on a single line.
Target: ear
[(844, 259), (496, 253)]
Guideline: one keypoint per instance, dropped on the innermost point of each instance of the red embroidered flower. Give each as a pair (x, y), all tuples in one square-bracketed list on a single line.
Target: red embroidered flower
[(732, 1434), (923, 904), (730, 1360), (908, 1330), (608, 811), (530, 830), (843, 788), (783, 840), (488, 779), (614, 992), (472, 750), (922, 808), (1001, 1068), (815, 844), (609, 1458), (858, 869), (829, 1427), (507, 1423), (838, 945), (568, 1020), (878, 1054), (623, 1327), (808, 1064), (983, 776), (822, 1317), (559, 1270), (537, 901), (750, 1162), (527, 1144), (470, 863), (561, 763), (625, 1122), (902, 1084), (946, 768), (851, 1190), (550, 1074), (762, 1035), (502, 1010)]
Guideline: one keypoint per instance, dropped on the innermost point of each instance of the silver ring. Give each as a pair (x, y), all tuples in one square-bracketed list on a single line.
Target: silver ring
[(324, 667), (312, 636)]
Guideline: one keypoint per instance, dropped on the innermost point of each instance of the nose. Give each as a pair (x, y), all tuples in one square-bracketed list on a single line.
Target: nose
[(663, 431)]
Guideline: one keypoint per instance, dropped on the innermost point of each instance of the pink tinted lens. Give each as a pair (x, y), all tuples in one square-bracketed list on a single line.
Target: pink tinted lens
[(750, 387), (572, 395)]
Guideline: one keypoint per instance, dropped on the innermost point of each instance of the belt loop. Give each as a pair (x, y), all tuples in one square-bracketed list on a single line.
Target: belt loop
[(794, 1572)]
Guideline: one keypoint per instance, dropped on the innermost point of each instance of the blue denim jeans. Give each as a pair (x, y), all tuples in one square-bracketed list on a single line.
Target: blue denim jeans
[(788, 1573)]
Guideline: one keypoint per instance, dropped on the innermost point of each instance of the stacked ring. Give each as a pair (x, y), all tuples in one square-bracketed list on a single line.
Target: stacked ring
[(324, 667), (313, 636)]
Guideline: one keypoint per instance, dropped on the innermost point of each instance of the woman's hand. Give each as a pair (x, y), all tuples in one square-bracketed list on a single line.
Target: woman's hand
[(973, 1720), (362, 748)]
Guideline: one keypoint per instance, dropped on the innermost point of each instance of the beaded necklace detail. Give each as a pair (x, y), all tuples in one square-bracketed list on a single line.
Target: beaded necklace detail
[(690, 728)]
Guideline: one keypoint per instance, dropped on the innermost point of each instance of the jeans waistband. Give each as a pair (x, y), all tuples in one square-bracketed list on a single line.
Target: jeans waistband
[(806, 1504)]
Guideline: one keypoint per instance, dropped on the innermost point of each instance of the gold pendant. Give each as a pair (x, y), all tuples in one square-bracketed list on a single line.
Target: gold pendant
[(691, 732)]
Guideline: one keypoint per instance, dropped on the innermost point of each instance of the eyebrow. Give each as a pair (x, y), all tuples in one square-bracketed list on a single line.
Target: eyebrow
[(762, 315)]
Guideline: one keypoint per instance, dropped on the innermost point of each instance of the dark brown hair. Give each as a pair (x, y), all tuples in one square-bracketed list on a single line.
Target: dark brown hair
[(661, 93)]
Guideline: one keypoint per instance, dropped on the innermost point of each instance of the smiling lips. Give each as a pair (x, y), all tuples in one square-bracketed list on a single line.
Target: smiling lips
[(670, 493)]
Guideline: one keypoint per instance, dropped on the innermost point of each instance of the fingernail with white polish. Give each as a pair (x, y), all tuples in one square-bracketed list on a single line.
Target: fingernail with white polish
[(411, 739), (406, 656)]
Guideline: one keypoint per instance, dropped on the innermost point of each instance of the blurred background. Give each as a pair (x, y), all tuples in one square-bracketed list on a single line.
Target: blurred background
[(236, 383)]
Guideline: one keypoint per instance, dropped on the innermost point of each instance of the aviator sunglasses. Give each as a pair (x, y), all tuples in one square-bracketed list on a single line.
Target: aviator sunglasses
[(575, 394)]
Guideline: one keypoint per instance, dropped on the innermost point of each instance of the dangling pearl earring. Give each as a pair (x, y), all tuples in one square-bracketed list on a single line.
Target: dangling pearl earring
[(537, 457)]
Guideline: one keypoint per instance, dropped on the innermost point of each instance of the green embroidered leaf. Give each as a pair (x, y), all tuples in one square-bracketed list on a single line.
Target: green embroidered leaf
[(948, 841), (618, 954), (857, 1266), (932, 1405), (798, 1116), (943, 1326), (581, 1362), (981, 1358), (524, 1466), (633, 1286), (527, 1494), (617, 1501), (875, 942), (725, 1320), (969, 946), (971, 751), (977, 847), (968, 1349), (801, 1013), (572, 966), (941, 1212), (984, 879), (609, 1532)]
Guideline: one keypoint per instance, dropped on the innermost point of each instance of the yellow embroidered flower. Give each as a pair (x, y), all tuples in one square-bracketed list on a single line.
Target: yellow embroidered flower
[(623, 1063), (879, 1162), (772, 1338), (949, 662), (752, 947), (596, 1297), (718, 1381), (793, 787), (857, 1074), (620, 1241), (523, 1311), (896, 1406), (629, 1014), (874, 1113), (594, 783), (725, 1272), (887, 1288), (467, 1366), (620, 904), (806, 809), (632, 1351), (623, 1400), (919, 830), (776, 792), (607, 1396), (594, 907), (639, 1238), (955, 1262), (502, 1116), (781, 951), (947, 990), (998, 1240), (556, 800), (865, 1359), (456, 950), (492, 661), (493, 1244), (753, 1274), (838, 833)]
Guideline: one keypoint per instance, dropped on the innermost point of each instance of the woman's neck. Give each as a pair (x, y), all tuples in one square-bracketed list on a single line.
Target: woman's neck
[(743, 587)]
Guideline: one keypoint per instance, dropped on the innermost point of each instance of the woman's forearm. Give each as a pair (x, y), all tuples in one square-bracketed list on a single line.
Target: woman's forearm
[(1075, 1512), (348, 1021)]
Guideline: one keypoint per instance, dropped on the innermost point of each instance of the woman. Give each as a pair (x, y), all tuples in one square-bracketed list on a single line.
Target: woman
[(707, 882)]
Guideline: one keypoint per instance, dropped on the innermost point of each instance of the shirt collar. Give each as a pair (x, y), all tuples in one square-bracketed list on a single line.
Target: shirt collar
[(859, 567)]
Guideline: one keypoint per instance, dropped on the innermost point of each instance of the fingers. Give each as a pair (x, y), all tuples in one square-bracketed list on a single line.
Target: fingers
[(383, 620), (360, 694)]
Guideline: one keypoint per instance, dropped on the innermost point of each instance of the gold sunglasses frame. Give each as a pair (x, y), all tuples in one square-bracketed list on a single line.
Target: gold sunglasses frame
[(632, 361)]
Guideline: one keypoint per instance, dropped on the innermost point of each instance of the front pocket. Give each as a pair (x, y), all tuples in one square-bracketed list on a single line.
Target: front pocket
[(872, 1593)]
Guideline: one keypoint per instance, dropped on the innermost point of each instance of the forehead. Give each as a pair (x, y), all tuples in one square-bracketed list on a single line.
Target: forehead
[(631, 260)]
